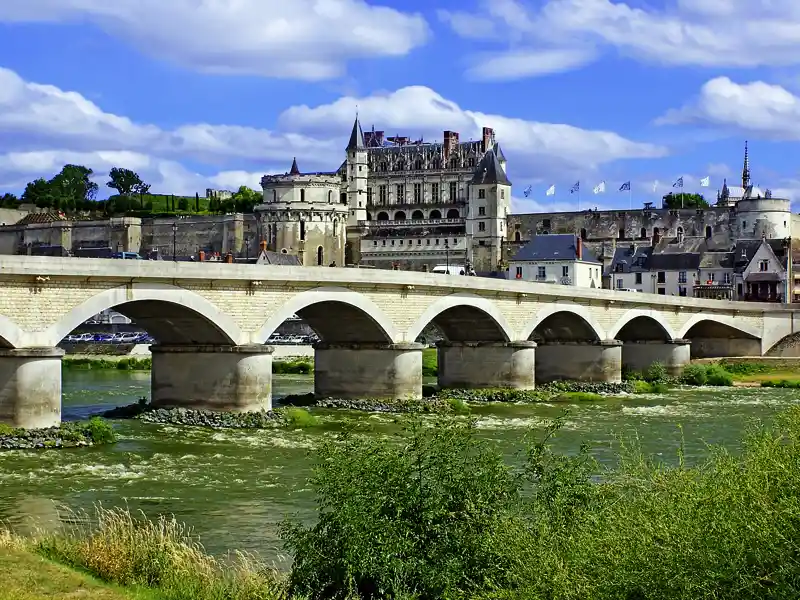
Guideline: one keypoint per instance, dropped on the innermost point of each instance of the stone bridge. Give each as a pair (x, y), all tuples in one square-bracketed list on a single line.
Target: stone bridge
[(212, 322)]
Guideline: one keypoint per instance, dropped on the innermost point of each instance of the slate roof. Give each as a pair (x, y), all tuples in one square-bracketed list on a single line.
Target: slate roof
[(278, 258), (678, 261), (356, 137), (500, 156), (717, 260), (294, 170), (630, 259), (489, 171), (553, 247)]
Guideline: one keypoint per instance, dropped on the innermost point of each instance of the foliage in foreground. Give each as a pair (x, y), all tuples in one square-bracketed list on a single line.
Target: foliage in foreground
[(438, 514), (162, 554), (96, 431)]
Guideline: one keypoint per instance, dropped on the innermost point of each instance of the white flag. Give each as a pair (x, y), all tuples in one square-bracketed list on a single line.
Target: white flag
[(655, 185), (704, 182), (551, 190), (600, 188)]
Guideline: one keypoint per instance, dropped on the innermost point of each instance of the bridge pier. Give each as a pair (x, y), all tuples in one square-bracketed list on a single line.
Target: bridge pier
[(674, 355), (367, 370), (30, 387), (223, 378), (579, 361), (471, 365)]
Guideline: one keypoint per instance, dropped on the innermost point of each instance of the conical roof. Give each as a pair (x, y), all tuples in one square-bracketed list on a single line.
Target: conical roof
[(489, 171), (356, 137), (294, 170)]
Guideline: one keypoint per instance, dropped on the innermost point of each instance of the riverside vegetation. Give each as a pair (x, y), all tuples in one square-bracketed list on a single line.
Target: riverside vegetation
[(67, 435), (299, 366), (437, 512)]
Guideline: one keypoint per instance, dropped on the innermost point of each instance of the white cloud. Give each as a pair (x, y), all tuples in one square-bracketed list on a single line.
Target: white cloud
[(45, 127), (533, 149), (764, 109), (709, 33), (527, 63), (301, 39)]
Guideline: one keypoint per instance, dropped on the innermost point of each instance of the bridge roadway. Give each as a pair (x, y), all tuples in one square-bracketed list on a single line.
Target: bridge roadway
[(212, 321)]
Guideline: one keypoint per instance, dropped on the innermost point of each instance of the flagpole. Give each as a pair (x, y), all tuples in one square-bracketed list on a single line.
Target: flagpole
[(630, 197)]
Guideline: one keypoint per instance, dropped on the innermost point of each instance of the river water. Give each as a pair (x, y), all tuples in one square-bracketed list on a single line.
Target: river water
[(234, 487)]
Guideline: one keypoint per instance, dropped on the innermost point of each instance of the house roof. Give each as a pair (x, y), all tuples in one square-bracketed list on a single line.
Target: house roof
[(553, 247), (630, 259), (717, 260), (267, 257), (490, 171), (674, 261), (40, 217), (356, 137)]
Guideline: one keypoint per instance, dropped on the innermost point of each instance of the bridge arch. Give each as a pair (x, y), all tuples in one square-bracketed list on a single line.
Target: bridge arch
[(336, 314), (719, 336), (171, 314), (640, 325), (787, 347), (11, 335), (484, 320), (563, 321)]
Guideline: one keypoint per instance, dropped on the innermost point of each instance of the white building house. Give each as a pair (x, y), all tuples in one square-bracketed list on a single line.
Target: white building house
[(557, 259)]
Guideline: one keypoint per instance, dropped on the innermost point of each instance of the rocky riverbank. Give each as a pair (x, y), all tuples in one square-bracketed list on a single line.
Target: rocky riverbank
[(76, 434)]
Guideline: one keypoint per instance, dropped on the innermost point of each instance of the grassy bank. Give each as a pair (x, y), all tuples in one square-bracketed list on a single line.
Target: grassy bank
[(299, 366), (437, 512), (758, 369), (69, 434)]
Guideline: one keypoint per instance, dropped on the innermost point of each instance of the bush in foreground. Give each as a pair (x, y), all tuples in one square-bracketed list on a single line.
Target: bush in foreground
[(438, 514)]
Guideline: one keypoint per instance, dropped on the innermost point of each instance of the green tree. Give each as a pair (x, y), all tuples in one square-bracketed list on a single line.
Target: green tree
[(9, 201), (183, 204), (39, 192), (684, 201), (126, 182), (73, 187), (244, 199)]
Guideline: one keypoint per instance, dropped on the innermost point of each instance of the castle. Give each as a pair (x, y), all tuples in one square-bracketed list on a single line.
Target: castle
[(394, 203), (412, 205)]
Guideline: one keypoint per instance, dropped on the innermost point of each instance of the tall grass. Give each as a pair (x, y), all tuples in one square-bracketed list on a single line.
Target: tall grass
[(117, 547)]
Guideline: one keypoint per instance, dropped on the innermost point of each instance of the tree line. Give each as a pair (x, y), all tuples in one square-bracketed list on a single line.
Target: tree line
[(72, 190)]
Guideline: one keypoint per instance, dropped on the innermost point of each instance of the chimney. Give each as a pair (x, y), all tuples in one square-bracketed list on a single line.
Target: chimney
[(579, 247), (487, 138), (450, 142), (201, 256)]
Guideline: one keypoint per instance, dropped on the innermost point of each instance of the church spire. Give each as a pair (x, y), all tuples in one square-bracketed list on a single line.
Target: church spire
[(294, 170), (746, 169)]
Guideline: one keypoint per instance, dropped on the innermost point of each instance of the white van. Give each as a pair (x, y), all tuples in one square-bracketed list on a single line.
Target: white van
[(449, 269)]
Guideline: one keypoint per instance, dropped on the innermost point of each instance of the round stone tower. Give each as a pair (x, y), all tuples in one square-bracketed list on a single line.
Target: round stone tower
[(303, 215)]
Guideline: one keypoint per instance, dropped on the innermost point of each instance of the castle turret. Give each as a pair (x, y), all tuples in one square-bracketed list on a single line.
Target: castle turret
[(489, 205), (357, 171)]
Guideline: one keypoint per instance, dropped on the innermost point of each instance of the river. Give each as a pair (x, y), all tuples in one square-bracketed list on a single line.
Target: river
[(233, 487)]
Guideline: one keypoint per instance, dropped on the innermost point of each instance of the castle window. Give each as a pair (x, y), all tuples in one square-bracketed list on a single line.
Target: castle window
[(419, 242), (401, 194), (763, 266), (481, 210), (621, 234), (517, 237), (417, 193), (319, 256), (375, 243), (400, 165), (302, 195), (435, 214), (384, 242), (435, 192), (369, 195), (744, 225), (583, 234), (427, 242), (382, 194), (302, 230), (452, 191), (453, 164), (680, 235), (384, 166), (452, 213), (274, 195), (643, 233), (502, 194), (481, 194), (437, 242), (330, 197), (708, 232), (471, 162), (418, 164), (481, 226)]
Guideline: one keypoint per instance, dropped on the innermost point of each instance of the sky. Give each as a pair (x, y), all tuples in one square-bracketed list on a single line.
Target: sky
[(194, 94)]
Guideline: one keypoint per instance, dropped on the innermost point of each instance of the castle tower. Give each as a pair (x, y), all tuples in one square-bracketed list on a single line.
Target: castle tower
[(489, 204), (357, 172), (302, 215)]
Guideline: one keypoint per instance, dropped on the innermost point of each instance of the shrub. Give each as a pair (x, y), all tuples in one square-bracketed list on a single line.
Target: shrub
[(458, 406), (718, 376), (783, 383), (100, 431), (655, 372), (299, 418), (578, 397), (694, 375), (293, 367), (630, 375), (644, 387)]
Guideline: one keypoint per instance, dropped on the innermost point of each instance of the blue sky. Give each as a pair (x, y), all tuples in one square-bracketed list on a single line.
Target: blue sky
[(215, 94)]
